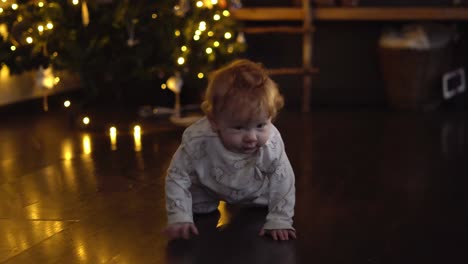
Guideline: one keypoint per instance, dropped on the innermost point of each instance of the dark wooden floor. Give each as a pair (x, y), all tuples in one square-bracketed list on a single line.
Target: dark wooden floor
[(372, 187)]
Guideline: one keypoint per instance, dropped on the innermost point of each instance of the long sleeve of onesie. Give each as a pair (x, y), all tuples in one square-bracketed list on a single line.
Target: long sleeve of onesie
[(178, 197), (281, 192)]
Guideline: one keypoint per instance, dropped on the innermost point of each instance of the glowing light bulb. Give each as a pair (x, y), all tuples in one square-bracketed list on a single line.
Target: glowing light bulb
[(227, 35), (216, 43), (209, 50), (163, 86), (180, 60), (40, 4), (75, 2), (56, 80), (50, 25), (177, 33), (183, 48), (29, 40), (1, 10), (226, 13), (40, 28), (216, 17), (154, 16), (14, 6), (202, 26), (214, 2), (200, 75), (86, 120), (67, 103), (13, 48), (196, 37), (199, 4), (210, 33)]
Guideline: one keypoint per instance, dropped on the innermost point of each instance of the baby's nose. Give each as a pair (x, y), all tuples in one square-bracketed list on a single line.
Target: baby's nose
[(250, 136)]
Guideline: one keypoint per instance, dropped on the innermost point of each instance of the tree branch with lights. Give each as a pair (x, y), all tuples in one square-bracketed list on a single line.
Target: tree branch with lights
[(114, 44)]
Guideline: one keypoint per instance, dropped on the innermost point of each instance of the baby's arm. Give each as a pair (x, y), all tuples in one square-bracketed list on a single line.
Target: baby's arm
[(179, 198), (281, 201)]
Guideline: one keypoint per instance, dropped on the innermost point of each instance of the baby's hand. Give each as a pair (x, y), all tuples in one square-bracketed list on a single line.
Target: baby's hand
[(281, 234), (180, 230)]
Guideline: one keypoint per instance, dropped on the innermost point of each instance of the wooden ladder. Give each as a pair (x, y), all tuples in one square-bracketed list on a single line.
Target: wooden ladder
[(304, 14)]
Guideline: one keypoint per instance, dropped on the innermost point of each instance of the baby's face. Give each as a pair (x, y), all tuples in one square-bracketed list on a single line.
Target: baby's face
[(244, 137)]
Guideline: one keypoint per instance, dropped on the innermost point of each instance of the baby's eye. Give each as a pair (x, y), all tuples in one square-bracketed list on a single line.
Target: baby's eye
[(261, 125)]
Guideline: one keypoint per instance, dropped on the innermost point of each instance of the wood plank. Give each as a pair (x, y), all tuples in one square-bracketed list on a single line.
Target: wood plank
[(277, 29), (353, 13), (387, 13), (269, 14)]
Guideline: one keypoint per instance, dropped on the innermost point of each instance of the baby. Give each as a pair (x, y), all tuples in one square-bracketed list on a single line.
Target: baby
[(234, 154)]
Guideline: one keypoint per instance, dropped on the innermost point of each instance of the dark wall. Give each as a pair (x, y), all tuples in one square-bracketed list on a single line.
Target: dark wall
[(345, 52)]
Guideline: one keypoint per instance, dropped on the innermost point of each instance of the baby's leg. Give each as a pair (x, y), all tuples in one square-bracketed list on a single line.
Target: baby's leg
[(202, 201)]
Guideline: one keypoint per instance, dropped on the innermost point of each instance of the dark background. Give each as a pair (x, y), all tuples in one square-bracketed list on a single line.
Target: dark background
[(345, 52)]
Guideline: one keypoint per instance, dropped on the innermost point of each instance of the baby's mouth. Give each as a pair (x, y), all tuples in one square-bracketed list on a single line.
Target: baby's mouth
[(249, 149)]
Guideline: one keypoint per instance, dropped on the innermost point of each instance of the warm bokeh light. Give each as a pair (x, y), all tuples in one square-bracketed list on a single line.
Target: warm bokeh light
[(216, 17), (177, 33), (40, 4), (40, 28), (67, 103), (14, 6), (87, 149), (137, 129), (113, 137), (202, 26), (13, 48), (200, 75), (4, 72), (209, 50), (196, 37), (154, 16), (226, 13), (163, 86), (50, 25), (29, 40), (210, 33), (199, 4), (227, 35), (67, 150), (75, 2), (216, 43), (86, 120), (180, 60), (183, 48), (137, 137)]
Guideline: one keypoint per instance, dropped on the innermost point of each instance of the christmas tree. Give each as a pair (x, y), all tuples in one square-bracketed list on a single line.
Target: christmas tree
[(115, 44)]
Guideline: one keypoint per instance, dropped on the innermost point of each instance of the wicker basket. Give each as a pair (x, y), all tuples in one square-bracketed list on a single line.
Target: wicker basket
[(413, 78)]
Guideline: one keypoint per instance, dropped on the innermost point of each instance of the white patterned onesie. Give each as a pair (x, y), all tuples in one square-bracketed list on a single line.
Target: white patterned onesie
[(202, 172)]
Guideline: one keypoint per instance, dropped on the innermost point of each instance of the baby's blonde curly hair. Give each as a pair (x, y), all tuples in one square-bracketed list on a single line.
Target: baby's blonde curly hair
[(242, 89)]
